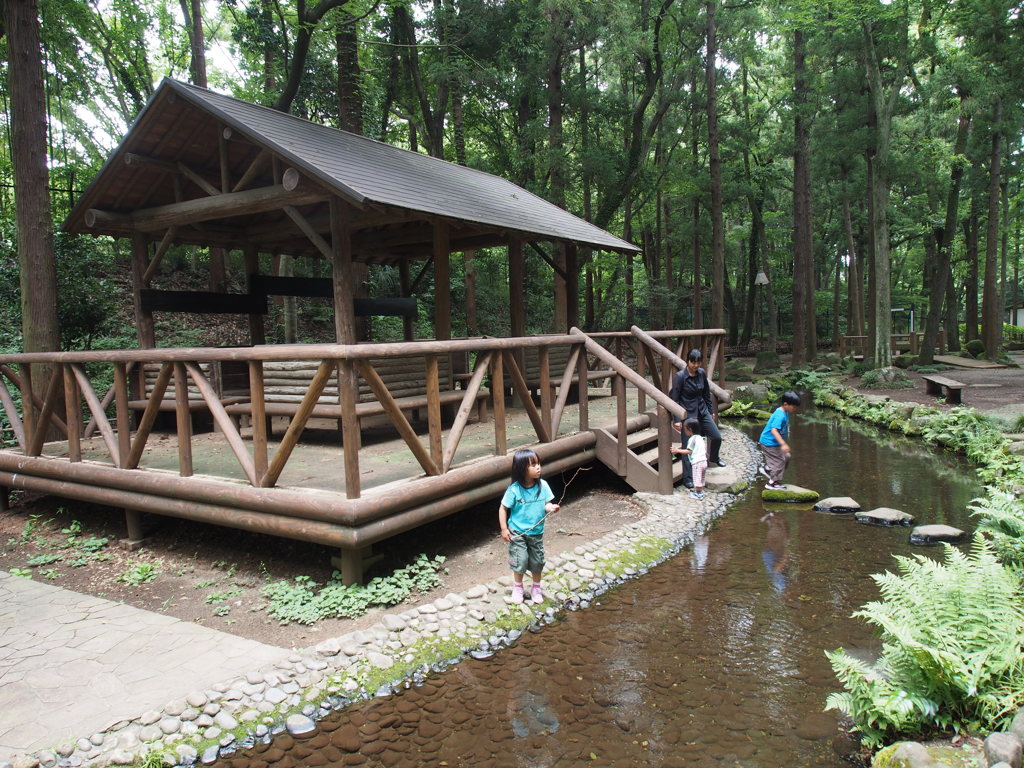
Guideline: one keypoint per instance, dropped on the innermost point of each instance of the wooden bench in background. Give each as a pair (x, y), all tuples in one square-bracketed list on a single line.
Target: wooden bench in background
[(558, 358), (202, 421), (286, 383), (939, 385)]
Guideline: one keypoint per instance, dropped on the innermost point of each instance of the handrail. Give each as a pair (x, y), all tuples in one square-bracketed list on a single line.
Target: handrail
[(723, 396), (629, 374)]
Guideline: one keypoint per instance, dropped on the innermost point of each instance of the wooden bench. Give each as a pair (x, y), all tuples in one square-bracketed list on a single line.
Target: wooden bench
[(286, 383), (938, 385), (558, 358), (202, 420)]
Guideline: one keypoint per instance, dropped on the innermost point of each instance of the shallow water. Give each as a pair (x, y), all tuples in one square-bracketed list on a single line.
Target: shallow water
[(714, 658)]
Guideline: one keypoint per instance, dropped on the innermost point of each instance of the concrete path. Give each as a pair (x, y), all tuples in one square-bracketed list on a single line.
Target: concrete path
[(71, 664)]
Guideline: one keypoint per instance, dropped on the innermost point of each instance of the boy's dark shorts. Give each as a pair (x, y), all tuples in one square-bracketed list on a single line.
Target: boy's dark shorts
[(526, 553)]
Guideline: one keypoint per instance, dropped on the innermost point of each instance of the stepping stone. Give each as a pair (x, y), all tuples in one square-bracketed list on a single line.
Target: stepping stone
[(723, 480), (837, 504), (885, 516), (791, 494), (931, 534)]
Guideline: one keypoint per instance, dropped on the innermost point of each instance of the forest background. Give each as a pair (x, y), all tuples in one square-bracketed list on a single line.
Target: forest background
[(863, 157)]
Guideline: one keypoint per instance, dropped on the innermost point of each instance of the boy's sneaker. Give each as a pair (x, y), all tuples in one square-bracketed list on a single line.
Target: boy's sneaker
[(764, 471), (775, 486), (537, 596), (517, 593), (696, 494)]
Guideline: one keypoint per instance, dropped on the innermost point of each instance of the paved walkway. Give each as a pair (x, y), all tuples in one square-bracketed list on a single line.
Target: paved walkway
[(71, 664)]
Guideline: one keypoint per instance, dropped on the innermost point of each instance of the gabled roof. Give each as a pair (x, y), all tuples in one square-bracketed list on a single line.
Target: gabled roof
[(393, 193)]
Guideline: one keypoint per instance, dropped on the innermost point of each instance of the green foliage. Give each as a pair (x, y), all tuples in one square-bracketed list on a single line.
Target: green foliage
[(886, 378), (1001, 517), (976, 347), (740, 409), (43, 559), (140, 573), (301, 602), (951, 649)]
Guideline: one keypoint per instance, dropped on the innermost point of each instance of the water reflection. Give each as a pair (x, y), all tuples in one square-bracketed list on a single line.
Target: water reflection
[(712, 659)]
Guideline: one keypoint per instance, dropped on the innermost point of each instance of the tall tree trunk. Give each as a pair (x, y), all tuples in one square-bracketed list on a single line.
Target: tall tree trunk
[(350, 90), (952, 321), (556, 148), (854, 284), (884, 104), (971, 236), (715, 168), (804, 344), (941, 270), (192, 11), (991, 310), (38, 272)]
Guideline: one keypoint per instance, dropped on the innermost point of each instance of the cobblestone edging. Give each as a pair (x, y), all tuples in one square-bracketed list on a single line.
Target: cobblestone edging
[(293, 694)]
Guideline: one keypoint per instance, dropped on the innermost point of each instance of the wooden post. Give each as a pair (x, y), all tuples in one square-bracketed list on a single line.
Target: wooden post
[(345, 329), (498, 395), (562, 323), (124, 427), (252, 268), (584, 406), (143, 320), (622, 436), (408, 329), (516, 296), (184, 420), (259, 419), (73, 409), (434, 409), (442, 283), (665, 468), (641, 368), (572, 287)]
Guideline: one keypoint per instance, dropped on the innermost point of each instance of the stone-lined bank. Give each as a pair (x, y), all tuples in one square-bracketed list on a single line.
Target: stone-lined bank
[(404, 647)]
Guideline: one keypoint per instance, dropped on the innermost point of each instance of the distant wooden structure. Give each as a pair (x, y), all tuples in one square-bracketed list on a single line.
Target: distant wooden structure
[(205, 169), (901, 342)]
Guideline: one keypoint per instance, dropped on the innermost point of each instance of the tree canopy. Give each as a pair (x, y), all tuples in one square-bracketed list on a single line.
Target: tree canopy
[(864, 157)]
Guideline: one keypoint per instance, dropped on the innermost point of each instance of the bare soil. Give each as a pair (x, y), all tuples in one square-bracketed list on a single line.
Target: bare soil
[(213, 575)]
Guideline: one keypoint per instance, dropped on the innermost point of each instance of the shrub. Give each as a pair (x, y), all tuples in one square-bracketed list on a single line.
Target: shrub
[(886, 378), (976, 347), (951, 649)]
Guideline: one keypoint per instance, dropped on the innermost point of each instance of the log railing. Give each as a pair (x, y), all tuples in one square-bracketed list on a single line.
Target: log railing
[(497, 366)]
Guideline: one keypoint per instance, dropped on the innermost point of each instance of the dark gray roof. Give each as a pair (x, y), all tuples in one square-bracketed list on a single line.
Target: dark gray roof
[(367, 170)]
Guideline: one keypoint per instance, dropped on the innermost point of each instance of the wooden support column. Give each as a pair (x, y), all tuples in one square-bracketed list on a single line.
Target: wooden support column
[(517, 299), (442, 283), (516, 293), (252, 268), (562, 324), (408, 329), (143, 320), (572, 286), (345, 329)]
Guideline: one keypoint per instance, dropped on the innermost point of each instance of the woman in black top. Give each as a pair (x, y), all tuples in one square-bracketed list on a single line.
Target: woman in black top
[(691, 390)]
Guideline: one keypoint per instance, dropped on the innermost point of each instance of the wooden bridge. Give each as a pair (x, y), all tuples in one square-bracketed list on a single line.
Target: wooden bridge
[(108, 455)]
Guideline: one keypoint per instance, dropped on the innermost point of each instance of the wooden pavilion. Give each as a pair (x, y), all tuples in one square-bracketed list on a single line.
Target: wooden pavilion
[(202, 168)]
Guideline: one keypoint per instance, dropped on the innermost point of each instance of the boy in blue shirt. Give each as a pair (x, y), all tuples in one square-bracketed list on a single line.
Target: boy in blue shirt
[(777, 452)]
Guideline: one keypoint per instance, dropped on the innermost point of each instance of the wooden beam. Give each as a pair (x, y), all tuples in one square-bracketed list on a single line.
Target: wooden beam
[(137, 160), (557, 269), (255, 167), (246, 203), (307, 229), (161, 251)]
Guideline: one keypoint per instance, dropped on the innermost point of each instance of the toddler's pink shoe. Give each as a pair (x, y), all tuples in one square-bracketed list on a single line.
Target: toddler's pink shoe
[(538, 596), (517, 593)]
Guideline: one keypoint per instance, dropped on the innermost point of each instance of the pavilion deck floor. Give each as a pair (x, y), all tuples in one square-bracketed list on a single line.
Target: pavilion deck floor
[(317, 461)]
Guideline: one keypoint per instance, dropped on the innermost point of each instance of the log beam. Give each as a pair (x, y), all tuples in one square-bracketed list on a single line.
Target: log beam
[(250, 201)]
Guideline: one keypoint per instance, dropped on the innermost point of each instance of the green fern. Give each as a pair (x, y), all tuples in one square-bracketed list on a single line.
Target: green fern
[(951, 648)]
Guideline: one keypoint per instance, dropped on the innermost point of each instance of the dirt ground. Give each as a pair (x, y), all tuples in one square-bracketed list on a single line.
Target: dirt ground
[(213, 576)]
